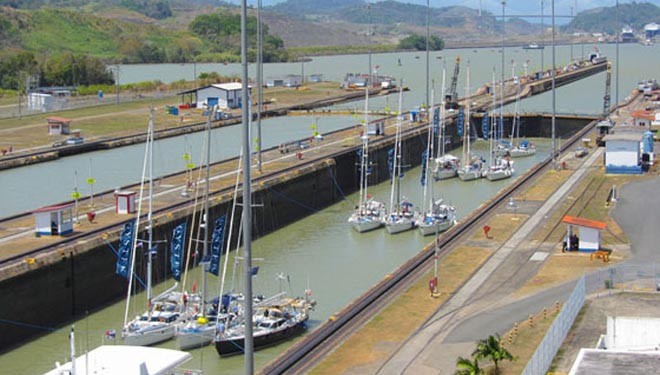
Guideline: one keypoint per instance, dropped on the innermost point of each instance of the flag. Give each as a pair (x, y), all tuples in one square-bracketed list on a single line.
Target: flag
[(255, 270), (485, 125), (216, 245), (176, 250), (461, 119), (436, 121), (390, 161), (110, 334), (124, 252), (424, 161)]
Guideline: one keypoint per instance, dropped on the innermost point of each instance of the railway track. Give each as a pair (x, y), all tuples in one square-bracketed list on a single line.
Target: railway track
[(305, 354)]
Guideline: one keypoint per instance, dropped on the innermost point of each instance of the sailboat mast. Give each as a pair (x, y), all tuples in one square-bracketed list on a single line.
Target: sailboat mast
[(150, 229), (467, 115), (396, 163), (441, 140), (365, 150), (429, 153), (493, 126), (205, 218)]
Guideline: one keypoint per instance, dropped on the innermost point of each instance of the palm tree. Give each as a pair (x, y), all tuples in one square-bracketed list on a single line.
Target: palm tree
[(490, 348), (466, 366)]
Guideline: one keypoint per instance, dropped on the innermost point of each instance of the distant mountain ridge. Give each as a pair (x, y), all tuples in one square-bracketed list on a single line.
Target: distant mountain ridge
[(603, 19)]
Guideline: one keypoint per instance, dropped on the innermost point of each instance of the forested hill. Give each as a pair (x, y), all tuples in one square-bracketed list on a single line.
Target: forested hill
[(633, 14)]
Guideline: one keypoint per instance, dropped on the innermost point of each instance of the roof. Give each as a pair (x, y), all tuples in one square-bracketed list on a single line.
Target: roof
[(57, 119), (230, 86), (625, 136), (583, 222), (647, 115), (608, 362), (53, 208), (126, 360)]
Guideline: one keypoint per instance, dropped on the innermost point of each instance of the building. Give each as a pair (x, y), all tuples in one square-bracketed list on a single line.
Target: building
[(651, 30), (223, 95), (58, 125), (316, 78), (627, 35), (291, 80), (643, 118), (582, 234), (53, 220), (37, 101), (623, 152)]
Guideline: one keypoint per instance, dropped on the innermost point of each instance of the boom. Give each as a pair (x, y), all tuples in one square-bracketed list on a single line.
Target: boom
[(451, 99)]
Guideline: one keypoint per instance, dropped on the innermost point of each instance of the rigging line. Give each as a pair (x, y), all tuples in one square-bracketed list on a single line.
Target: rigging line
[(334, 181), (312, 209)]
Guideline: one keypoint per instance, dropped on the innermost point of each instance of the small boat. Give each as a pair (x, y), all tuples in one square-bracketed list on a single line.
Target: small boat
[(273, 322), (473, 170), (523, 148), (446, 167), (440, 218), (473, 167), (501, 169), (533, 46)]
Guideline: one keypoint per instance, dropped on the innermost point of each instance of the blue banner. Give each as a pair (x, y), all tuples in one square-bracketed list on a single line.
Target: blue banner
[(390, 161), (424, 161), (124, 252), (217, 239), (436, 121), (461, 119), (485, 125), (176, 249)]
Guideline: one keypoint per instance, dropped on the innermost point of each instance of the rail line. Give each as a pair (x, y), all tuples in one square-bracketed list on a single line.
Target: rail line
[(306, 353)]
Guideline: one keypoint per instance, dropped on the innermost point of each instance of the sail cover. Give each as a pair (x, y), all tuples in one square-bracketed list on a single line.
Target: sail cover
[(216, 245), (124, 253), (176, 249)]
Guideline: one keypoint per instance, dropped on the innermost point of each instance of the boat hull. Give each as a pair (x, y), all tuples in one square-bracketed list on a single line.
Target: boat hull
[(234, 346), (445, 174), (439, 227), (498, 175), (469, 175), (150, 337), (366, 225), (400, 226), (517, 153), (190, 339)]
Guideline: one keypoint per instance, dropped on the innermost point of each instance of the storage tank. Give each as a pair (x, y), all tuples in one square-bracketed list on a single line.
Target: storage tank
[(647, 142)]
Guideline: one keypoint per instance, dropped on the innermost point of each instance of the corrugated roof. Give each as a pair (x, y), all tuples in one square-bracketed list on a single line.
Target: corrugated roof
[(584, 222), (230, 86), (57, 119), (53, 208), (648, 115), (625, 136)]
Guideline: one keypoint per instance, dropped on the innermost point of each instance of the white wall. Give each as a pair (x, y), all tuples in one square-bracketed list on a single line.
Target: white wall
[(589, 238), (624, 153), (632, 333)]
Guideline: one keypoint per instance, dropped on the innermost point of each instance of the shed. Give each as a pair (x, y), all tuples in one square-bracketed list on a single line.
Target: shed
[(223, 95), (316, 78), (588, 239), (58, 125), (125, 202), (643, 118), (291, 80), (623, 152), (38, 101), (54, 220)]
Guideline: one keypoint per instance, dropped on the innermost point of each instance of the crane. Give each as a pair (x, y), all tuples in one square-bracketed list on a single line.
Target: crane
[(451, 99)]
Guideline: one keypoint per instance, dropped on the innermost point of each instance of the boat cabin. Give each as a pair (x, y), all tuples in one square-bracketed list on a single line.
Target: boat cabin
[(582, 234), (53, 220)]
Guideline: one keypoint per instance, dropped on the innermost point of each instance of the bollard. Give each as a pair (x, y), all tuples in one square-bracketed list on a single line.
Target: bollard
[(486, 230), (545, 313), (515, 328), (557, 307), (510, 338), (531, 320)]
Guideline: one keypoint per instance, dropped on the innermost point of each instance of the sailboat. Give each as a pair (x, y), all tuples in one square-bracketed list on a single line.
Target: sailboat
[(472, 167), (369, 213), (401, 216), (157, 323), (499, 168), (519, 148), (446, 165), (438, 217)]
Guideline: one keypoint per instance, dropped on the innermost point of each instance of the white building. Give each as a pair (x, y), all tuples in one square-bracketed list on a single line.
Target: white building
[(54, 220), (223, 95), (37, 101), (623, 153), (587, 232)]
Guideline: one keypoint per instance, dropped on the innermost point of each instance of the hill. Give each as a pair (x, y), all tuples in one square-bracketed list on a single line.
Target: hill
[(603, 19)]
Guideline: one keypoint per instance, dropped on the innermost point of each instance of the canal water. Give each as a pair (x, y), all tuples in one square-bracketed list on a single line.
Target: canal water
[(318, 252)]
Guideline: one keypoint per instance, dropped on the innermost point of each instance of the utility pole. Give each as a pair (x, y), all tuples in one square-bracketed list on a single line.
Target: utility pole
[(248, 344), (554, 101), (502, 83), (542, 34), (428, 35), (260, 83), (369, 42), (117, 85), (571, 38), (618, 27)]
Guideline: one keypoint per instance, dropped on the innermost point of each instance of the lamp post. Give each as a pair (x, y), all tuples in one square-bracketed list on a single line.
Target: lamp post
[(428, 35), (542, 34), (616, 101), (502, 86), (117, 84), (554, 101), (260, 83)]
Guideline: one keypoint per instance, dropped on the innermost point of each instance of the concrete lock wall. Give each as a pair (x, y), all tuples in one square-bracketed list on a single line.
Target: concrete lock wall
[(82, 278)]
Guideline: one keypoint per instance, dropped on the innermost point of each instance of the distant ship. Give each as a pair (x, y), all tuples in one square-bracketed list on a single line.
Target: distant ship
[(533, 46)]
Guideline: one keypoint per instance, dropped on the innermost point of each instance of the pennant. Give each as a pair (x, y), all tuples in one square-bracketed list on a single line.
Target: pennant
[(485, 125), (216, 245), (255, 270), (459, 124), (436, 121), (176, 249), (390, 161), (124, 251), (424, 161)]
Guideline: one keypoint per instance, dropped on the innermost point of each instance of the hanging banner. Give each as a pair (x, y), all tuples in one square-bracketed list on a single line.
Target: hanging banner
[(390, 161), (124, 252), (485, 125), (461, 119), (217, 239), (436, 121), (424, 161), (176, 249)]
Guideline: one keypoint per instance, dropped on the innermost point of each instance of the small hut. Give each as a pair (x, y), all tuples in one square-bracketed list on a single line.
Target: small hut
[(125, 202), (54, 220), (58, 125), (582, 234)]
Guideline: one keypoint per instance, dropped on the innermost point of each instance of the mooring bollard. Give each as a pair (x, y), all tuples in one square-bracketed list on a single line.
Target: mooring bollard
[(545, 313), (557, 307), (531, 320)]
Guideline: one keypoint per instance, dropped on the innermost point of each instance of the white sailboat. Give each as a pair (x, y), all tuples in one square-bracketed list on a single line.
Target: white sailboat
[(472, 167), (519, 148), (499, 167), (369, 213), (437, 217), (401, 216), (157, 323), (446, 165)]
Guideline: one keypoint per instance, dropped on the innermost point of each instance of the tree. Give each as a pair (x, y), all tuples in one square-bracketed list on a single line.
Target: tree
[(490, 348), (418, 42), (465, 366)]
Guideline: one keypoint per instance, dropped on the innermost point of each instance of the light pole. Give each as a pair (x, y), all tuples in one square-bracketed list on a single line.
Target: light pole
[(542, 43), (260, 85), (616, 101), (571, 41), (117, 84), (502, 86), (428, 35), (554, 103), (248, 344)]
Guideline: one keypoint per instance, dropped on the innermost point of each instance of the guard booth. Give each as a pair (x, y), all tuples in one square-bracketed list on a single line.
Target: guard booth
[(582, 234), (58, 125), (53, 220), (125, 202)]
